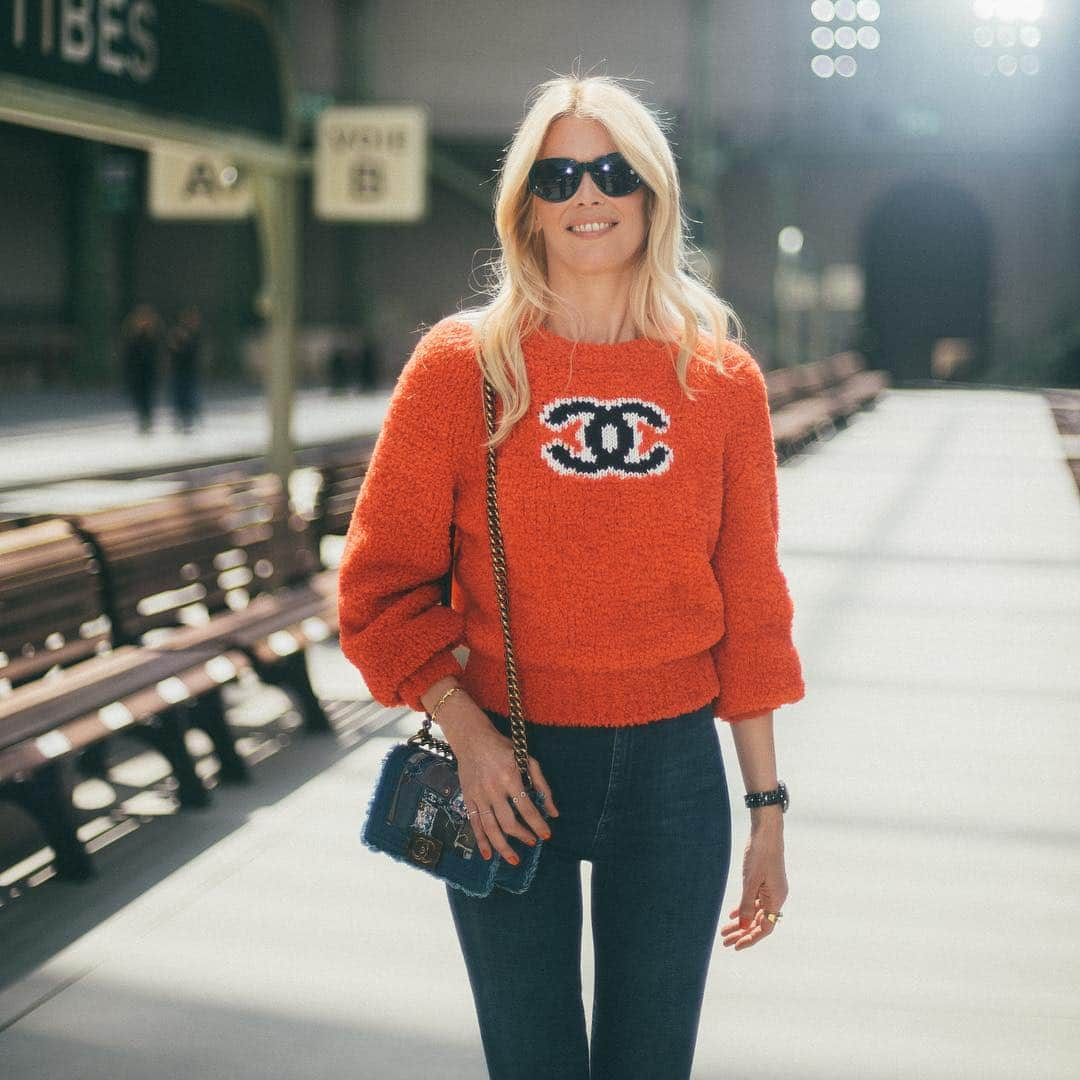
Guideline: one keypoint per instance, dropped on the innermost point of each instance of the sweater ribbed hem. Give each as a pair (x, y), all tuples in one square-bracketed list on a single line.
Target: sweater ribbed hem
[(561, 697)]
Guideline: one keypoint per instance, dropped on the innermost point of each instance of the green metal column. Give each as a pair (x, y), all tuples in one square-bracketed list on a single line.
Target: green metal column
[(277, 207), (783, 183), (705, 162)]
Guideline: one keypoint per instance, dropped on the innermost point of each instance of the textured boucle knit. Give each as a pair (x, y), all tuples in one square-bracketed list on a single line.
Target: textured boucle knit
[(640, 531)]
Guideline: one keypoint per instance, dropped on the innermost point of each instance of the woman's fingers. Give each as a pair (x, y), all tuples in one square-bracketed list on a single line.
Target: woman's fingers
[(494, 815), (533, 818), (743, 939), (740, 936), (518, 814), (494, 824), (743, 934), (476, 822), (507, 826), (764, 891), (747, 911), (540, 781)]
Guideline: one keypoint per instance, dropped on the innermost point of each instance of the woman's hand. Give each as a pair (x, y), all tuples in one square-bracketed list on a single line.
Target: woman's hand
[(489, 777), (764, 881)]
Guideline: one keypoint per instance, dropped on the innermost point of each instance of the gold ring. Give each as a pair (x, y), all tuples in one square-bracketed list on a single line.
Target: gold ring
[(772, 916)]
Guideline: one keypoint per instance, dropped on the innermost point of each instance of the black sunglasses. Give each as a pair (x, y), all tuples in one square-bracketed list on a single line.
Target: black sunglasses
[(556, 179)]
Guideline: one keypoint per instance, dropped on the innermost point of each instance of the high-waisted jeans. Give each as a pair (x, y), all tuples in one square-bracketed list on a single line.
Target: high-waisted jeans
[(647, 805)]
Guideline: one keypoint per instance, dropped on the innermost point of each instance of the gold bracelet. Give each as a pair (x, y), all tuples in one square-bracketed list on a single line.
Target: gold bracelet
[(452, 690)]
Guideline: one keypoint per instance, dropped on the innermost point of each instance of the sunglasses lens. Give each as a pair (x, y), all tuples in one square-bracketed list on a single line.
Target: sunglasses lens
[(614, 176), (555, 179)]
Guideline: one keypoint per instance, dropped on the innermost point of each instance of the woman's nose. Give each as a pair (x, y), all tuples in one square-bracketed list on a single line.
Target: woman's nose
[(587, 190)]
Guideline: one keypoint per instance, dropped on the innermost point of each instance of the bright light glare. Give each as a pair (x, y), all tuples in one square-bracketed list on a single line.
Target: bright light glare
[(1019, 10), (1008, 10), (790, 240), (843, 37)]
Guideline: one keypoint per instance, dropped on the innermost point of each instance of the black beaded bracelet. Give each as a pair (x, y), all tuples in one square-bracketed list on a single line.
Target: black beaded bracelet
[(778, 794)]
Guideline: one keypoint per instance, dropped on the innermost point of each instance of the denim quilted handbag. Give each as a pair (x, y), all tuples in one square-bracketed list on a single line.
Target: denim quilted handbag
[(417, 814)]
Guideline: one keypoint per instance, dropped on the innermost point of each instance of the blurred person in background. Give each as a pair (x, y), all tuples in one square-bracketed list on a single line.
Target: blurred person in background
[(140, 345), (370, 364), (638, 504), (337, 369), (183, 345)]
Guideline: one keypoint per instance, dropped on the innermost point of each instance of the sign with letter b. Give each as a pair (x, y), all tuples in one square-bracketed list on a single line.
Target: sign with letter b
[(371, 163)]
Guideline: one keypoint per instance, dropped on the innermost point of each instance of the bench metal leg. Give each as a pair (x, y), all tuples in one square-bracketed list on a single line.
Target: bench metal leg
[(46, 797), (209, 715), (165, 733), (94, 760), (291, 674)]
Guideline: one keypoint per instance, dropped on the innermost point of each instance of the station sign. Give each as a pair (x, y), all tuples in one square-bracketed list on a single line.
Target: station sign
[(192, 184), (217, 65), (371, 163)]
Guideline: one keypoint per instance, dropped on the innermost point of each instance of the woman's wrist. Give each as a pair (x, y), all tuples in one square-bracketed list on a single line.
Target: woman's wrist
[(431, 696), (457, 713), (767, 819)]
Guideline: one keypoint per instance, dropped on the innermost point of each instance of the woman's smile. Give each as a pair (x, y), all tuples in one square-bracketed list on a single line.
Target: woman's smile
[(594, 228)]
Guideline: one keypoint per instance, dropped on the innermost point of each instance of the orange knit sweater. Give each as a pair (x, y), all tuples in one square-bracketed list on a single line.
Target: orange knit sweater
[(640, 531)]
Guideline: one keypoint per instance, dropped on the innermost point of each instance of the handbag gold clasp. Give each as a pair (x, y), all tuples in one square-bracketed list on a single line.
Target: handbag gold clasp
[(423, 850)]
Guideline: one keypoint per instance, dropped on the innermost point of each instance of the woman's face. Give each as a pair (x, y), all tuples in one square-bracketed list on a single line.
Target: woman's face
[(613, 249)]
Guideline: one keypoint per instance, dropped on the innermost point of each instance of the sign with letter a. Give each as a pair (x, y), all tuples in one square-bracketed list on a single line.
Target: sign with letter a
[(185, 182)]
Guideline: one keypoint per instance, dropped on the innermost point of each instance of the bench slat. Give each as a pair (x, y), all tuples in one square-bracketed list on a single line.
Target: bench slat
[(20, 758)]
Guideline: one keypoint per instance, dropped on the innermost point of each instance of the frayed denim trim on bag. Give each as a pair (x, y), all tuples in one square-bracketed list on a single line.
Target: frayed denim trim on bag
[(460, 873)]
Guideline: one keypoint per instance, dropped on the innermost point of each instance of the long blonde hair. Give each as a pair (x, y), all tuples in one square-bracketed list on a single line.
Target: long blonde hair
[(668, 299)]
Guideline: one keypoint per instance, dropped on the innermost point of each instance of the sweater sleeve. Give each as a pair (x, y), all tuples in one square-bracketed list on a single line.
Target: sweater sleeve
[(394, 629), (756, 662)]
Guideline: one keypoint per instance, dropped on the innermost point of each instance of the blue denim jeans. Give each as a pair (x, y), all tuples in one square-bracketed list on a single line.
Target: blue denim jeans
[(647, 805)]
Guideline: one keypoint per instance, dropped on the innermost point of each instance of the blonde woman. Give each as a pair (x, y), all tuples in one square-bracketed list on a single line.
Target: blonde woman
[(638, 501)]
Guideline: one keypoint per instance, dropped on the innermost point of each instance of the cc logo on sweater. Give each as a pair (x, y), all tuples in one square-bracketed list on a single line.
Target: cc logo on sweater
[(609, 442)]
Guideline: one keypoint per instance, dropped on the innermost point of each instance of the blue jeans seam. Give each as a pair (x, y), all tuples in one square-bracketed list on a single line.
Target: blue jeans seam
[(618, 754)]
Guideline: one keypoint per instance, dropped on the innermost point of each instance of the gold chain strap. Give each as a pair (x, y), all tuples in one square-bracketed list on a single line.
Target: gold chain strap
[(498, 560)]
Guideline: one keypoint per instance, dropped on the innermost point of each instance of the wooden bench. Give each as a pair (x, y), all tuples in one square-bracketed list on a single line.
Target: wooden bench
[(796, 418), (811, 400), (342, 477), (852, 385), (66, 688), (230, 561)]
